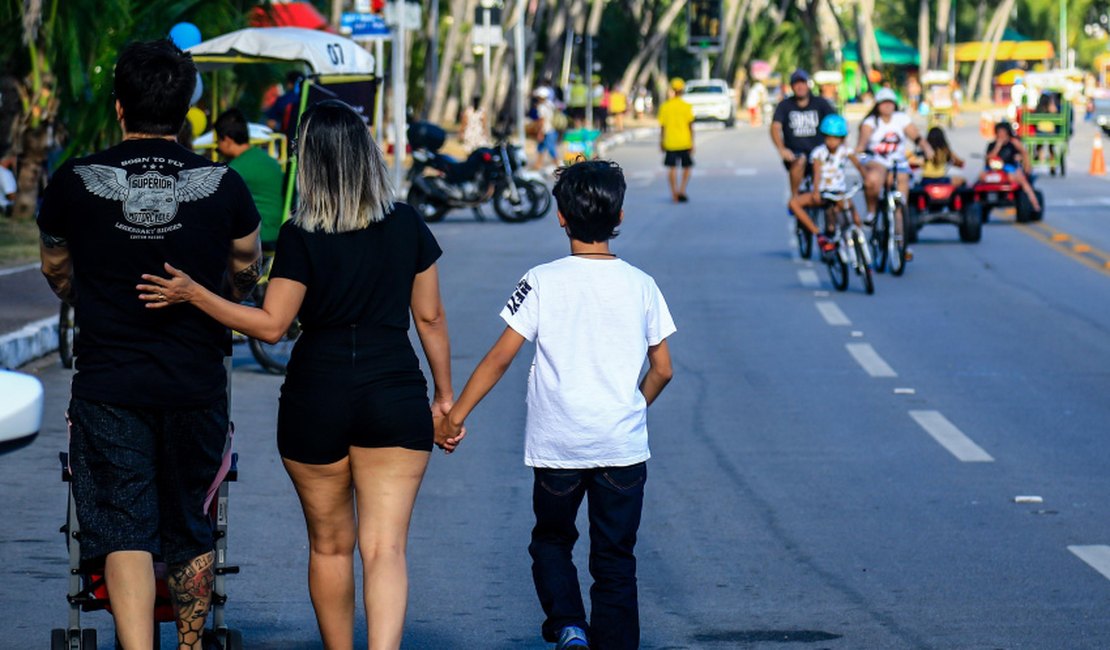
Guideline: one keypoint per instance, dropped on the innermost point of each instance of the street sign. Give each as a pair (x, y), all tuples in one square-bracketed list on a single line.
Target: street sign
[(704, 25), (358, 25), (487, 14), (412, 14)]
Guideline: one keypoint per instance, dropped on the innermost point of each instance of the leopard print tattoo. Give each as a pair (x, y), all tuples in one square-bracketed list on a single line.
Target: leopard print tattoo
[(191, 589)]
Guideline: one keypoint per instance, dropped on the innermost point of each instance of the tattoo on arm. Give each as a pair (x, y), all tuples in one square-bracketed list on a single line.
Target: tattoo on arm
[(191, 590), (243, 281)]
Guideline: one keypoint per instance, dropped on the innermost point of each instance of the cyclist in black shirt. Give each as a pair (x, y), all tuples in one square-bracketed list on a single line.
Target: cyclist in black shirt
[(794, 128)]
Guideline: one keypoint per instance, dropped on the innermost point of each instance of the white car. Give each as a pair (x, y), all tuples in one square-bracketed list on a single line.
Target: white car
[(712, 100)]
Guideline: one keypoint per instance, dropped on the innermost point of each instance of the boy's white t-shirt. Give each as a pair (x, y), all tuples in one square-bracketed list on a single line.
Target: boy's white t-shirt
[(592, 321), (833, 178)]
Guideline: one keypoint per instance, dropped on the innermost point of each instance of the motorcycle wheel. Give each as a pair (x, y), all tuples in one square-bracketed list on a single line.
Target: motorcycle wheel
[(522, 210), (424, 206), (544, 199)]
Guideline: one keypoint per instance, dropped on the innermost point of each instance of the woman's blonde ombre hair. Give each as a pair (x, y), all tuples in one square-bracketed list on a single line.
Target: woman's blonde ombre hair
[(342, 179)]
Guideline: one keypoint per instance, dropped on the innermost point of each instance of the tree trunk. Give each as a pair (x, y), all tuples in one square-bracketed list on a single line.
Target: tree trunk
[(556, 39), (1003, 13), (922, 38), (866, 46), (944, 8), (34, 143), (977, 70), (658, 39), (459, 9)]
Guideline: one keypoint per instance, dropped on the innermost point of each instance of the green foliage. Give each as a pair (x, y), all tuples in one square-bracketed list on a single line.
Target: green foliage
[(77, 44)]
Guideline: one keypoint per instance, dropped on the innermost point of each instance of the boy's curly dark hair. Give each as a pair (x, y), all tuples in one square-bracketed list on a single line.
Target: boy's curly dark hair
[(590, 195)]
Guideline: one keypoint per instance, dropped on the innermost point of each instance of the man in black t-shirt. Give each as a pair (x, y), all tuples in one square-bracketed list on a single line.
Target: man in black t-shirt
[(148, 412), (794, 128)]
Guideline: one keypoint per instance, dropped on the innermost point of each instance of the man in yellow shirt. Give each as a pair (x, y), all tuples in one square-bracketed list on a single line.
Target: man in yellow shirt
[(676, 121)]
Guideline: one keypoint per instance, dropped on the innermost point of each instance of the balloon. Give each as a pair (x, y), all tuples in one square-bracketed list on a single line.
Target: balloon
[(198, 92), (197, 120), (185, 35)]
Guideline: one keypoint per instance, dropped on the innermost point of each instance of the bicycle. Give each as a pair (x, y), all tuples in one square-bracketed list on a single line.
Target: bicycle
[(273, 357), (851, 249), (888, 240)]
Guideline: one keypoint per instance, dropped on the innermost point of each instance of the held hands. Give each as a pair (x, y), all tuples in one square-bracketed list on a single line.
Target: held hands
[(447, 436), (178, 288), (787, 155)]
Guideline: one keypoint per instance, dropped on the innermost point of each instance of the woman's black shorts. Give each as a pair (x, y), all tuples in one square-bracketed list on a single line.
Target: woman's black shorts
[(352, 388)]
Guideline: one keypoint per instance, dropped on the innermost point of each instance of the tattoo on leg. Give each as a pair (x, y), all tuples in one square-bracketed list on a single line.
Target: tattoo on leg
[(245, 280), (191, 589)]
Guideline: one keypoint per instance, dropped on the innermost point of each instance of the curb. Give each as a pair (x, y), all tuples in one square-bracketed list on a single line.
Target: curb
[(32, 341)]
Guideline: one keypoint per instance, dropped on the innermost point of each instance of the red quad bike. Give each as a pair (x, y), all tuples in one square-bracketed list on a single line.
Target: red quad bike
[(942, 202), (996, 189)]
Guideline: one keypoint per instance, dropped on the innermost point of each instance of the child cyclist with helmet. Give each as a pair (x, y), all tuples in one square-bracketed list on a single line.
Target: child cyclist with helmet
[(829, 162)]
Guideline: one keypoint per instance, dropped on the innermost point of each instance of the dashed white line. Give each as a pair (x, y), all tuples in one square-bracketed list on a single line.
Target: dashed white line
[(951, 438), (1098, 557), (808, 278), (831, 313), (745, 171), (869, 360)]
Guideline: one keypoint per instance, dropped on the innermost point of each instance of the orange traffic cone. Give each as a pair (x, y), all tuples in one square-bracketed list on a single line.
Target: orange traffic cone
[(1098, 163), (986, 126)]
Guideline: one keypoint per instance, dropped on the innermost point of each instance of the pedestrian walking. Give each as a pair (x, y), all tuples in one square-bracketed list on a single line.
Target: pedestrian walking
[(354, 427), (547, 136), (676, 139), (148, 413), (594, 318), (474, 128)]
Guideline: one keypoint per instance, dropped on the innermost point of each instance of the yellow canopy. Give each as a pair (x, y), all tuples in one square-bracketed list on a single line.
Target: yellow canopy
[(1010, 77), (1007, 51)]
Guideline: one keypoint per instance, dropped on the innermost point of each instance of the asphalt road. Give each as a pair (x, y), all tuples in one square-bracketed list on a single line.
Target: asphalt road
[(830, 470)]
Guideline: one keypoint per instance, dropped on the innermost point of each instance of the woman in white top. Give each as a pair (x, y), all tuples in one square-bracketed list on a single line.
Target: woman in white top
[(883, 136)]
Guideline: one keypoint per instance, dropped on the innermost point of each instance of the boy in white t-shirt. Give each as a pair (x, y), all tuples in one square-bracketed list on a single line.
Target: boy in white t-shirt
[(594, 318)]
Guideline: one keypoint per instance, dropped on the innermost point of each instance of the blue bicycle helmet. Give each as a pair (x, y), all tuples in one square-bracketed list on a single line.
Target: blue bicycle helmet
[(835, 126)]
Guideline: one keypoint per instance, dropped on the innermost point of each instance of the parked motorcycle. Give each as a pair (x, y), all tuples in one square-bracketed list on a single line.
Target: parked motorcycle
[(438, 183)]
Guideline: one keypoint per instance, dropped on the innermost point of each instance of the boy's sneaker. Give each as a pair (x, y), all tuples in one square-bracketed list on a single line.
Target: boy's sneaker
[(869, 220), (572, 638)]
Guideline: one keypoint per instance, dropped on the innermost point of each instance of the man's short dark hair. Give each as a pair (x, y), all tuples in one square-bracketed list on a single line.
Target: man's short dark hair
[(232, 124), (154, 81), (590, 195)]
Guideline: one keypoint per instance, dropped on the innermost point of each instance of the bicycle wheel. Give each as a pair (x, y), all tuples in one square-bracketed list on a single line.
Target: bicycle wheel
[(862, 268), (67, 334), (805, 240), (880, 234), (274, 357), (896, 244), (838, 270)]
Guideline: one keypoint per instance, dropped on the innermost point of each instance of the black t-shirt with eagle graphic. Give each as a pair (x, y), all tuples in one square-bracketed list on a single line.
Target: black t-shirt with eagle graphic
[(124, 212)]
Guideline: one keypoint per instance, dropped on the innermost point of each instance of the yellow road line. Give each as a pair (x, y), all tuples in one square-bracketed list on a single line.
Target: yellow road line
[(1062, 242)]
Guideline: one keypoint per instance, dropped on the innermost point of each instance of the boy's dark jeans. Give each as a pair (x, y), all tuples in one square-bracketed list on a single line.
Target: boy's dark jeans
[(616, 499)]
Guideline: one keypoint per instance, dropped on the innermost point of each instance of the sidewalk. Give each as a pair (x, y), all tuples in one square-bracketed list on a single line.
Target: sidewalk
[(28, 316)]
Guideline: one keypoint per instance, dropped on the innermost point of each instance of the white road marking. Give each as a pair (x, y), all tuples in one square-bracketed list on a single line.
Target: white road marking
[(831, 313), (905, 391), (869, 359), (745, 171), (856, 334), (808, 278), (1096, 556), (1028, 498), (19, 269), (950, 437), (820, 294)]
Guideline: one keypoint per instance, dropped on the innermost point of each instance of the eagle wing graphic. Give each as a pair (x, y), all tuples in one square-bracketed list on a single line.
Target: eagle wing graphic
[(104, 181), (195, 184)]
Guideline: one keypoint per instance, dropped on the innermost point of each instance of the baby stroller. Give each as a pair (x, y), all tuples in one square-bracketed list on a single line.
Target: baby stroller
[(88, 591)]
